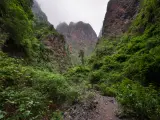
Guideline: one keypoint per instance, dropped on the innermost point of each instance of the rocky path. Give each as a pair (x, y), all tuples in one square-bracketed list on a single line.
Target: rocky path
[(100, 108)]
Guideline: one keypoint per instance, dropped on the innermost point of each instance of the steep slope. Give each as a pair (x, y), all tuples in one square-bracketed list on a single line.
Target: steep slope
[(32, 54), (55, 53), (23, 39), (16, 23), (126, 61), (119, 16), (79, 36), (38, 13)]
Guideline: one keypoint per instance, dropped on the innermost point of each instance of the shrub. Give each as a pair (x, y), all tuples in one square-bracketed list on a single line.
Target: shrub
[(121, 57), (97, 65), (138, 101), (106, 90), (22, 103), (77, 74), (57, 116), (110, 64), (95, 77)]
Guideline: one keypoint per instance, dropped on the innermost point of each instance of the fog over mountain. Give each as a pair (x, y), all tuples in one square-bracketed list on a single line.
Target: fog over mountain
[(89, 11)]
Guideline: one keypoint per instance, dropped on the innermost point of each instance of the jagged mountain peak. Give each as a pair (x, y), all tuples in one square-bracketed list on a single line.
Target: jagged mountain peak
[(79, 28), (82, 23), (62, 24), (71, 23), (79, 36)]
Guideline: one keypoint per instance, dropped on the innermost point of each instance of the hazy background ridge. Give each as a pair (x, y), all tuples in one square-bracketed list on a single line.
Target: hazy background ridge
[(89, 11)]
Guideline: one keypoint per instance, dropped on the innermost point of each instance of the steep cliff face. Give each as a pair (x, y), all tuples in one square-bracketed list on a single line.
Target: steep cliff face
[(119, 16), (54, 51), (38, 13), (79, 36)]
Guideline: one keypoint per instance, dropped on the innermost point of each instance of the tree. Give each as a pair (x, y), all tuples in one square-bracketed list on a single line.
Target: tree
[(81, 55)]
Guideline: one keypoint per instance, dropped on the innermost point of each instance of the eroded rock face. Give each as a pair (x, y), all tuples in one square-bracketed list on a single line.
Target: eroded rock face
[(79, 36), (55, 50), (55, 45), (119, 16)]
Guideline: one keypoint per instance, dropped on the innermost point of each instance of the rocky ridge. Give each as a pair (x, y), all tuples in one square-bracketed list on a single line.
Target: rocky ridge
[(119, 16), (79, 36), (39, 15)]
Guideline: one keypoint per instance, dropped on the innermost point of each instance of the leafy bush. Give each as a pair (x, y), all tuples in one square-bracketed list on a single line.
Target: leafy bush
[(22, 103), (78, 74), (57, 116), (95, 77), (106, 90), (16, 19), (138, 101)]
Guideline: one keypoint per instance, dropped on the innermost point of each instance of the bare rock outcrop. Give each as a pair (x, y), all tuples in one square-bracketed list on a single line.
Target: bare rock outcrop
[(57, 52), (119, 16)]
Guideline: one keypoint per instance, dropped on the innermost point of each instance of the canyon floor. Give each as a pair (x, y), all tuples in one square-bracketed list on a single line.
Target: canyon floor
[(99, 108)]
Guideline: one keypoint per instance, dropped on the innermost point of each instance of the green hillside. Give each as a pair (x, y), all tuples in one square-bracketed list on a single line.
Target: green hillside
[(128, 67), (30, 84)]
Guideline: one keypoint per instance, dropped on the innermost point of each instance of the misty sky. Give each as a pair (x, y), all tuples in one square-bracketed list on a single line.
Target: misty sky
[(89, 11)]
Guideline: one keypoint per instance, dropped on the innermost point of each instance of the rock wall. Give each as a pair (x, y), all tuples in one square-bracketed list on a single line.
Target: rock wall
[(79, 36), (119, 16), (57, 52)]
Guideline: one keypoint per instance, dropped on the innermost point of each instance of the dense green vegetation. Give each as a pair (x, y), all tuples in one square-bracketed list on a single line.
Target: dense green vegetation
[(128, 67), (16, 20), (27, 92), (31, 87), (22, 35)]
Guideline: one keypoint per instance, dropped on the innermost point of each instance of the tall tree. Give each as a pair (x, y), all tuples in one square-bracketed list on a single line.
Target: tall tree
[(81, 55)]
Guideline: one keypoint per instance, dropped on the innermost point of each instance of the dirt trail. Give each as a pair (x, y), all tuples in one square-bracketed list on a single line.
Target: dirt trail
[(100, 108)]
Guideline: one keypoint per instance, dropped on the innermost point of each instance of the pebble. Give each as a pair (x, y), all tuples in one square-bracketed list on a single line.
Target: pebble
[(65, 114), (95, 101)]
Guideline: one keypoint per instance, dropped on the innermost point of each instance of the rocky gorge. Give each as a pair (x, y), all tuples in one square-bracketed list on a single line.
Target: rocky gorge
[(69, 73)]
